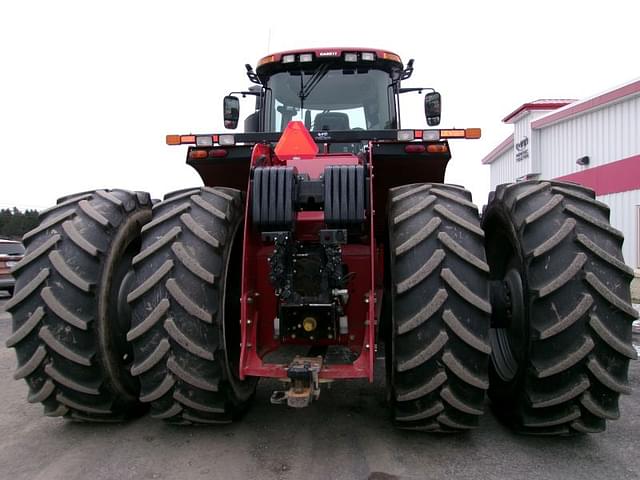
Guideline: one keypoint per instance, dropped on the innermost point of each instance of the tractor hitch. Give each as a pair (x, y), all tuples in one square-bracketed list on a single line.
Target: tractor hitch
[(304, 384)]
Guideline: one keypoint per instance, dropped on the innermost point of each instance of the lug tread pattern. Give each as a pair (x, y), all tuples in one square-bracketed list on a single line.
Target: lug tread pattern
[(60, 265), (419, 236), (425, 313), (415, 209), (580, 309), (61, 349), (441, 308), (55, 306), (560, 396), (175, 332), (37, 252)]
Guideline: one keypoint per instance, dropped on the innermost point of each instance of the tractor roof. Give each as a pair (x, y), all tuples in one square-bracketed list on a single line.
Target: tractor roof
[(284, 60)]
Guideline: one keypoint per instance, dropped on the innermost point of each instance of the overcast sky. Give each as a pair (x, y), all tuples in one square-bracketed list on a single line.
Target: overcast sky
[(88, 90)]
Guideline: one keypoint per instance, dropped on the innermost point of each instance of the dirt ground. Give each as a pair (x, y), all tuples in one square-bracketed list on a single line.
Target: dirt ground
[(345, 435)]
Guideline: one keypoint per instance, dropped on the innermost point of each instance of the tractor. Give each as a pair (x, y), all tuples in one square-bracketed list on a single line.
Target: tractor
[(323, 237)]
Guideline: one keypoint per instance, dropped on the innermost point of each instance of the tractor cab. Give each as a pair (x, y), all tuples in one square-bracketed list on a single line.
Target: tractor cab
[(328, 90)]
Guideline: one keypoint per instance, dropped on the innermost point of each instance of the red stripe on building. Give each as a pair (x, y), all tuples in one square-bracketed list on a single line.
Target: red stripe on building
[(537, 105), (589, 104), (614, 177), (499, 150)]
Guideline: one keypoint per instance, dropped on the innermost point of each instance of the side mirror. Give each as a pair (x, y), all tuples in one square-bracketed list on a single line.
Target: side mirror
[(432, 108), (231, 111)]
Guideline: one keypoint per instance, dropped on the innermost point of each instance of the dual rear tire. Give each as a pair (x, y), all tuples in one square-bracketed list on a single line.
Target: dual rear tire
[(561, 364), (67, 329), (118, 308), (561, 313), (557, 366)]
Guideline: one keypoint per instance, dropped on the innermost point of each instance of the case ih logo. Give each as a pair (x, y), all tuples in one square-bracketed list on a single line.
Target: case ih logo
[(522, 144), (522, 149), (332, 53)]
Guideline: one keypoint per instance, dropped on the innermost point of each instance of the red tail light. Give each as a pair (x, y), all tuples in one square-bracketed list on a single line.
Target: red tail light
[(218, 153), (415, 148), (198, 154)]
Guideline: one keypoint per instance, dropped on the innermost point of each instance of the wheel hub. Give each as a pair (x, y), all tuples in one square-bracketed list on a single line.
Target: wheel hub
[(508, 322), (507, 300)]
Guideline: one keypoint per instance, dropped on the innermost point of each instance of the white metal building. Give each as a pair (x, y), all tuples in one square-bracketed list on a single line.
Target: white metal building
[(595, 142)]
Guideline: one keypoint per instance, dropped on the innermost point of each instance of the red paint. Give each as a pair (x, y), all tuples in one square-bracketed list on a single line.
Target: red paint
[(614, 177), (315, 167), (330, 52), (499, 150), (248, 313), (537, 105), (357, 258), (296, 142), (632, 88), (308, 225), (372, 320), (259, 304)]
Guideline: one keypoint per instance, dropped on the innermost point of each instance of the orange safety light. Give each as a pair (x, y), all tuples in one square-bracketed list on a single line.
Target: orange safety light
[(452, 133), (296, 142), (472, 133), (198, 154), (187, 139), (391, 56), (437, 148), (173, 139), (267, 59)]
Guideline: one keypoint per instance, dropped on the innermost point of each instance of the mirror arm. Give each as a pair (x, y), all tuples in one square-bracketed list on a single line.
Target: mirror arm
[(244, 94), (415, 89)]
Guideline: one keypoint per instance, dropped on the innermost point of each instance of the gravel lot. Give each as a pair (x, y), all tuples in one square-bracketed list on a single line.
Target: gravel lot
[(346, 435)]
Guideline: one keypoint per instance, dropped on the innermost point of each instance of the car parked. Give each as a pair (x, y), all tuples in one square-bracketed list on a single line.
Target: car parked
[(11, 252)]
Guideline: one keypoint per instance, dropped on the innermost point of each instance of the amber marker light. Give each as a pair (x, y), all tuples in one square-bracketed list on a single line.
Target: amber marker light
[(438, 148), (267, 59), (452, 133), (472, 133), (173, 139)]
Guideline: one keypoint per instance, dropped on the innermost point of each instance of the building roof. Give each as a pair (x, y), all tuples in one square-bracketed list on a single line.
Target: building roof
[(542, 104), (588, 104), (506, 144)]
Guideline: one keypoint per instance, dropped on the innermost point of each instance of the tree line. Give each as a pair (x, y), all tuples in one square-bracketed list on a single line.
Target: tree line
[(14, 223)]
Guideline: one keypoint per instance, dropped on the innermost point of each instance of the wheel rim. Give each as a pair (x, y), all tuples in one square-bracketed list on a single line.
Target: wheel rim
[(509, 341), (114, 315), (508, 344), (119, 313), (231, 313)]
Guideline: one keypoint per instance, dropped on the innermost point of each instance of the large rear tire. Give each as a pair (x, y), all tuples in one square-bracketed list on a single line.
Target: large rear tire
[(438, 340), (68, 331), (186, 308), (560, 364)]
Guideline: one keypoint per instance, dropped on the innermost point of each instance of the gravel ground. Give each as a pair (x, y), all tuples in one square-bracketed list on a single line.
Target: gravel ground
[(345, 435)]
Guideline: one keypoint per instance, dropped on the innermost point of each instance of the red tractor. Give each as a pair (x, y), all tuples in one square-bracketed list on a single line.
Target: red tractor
[(324, 236)]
